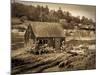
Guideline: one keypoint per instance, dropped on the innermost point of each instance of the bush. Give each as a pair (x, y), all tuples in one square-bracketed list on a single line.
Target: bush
[(42, 50)]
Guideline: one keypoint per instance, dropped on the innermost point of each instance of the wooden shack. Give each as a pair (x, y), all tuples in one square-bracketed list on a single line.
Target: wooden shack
[(51, 34)]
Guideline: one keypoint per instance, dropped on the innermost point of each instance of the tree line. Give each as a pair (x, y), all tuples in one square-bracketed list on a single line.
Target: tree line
[(44, 14)]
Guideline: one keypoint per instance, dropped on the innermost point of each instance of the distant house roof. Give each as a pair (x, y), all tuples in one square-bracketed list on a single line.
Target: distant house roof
[(15, 21), (45, 29), (20, 26), (88, 27)]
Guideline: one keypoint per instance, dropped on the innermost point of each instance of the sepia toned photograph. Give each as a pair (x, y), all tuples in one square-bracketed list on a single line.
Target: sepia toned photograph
[(52, 37)]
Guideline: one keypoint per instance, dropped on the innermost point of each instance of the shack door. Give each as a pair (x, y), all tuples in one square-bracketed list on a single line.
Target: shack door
[(57, 43)]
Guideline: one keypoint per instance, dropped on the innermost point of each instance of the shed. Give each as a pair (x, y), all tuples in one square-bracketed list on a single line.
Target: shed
[(42, 33)]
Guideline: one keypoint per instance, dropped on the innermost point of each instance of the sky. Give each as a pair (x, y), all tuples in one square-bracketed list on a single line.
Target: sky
[(76, 10)]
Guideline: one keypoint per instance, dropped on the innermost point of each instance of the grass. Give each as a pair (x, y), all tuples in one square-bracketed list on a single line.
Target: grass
[(38, 63), (47, 60)]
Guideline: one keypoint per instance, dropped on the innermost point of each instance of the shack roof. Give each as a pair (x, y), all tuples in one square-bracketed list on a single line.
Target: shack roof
[(47, 29)]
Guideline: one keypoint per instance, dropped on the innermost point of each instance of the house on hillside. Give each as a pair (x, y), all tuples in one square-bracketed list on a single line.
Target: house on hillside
[(88, 27), (16, 21), (20, 27), (42, 33)]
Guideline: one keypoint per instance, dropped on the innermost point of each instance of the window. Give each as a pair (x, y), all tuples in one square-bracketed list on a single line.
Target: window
[(46, 41), (43, 41), (40, 41)]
